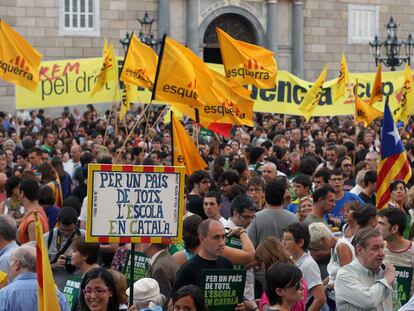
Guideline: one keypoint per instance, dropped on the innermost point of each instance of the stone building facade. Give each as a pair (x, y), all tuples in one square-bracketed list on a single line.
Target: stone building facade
[(305, 34)]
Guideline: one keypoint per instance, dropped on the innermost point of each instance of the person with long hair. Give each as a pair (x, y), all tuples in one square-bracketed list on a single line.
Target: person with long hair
[(283, 286), (99, 291), (305, 208), (399, 197), (351, 225), (269, 252), (48, 176), (64, 178), (188, 298)]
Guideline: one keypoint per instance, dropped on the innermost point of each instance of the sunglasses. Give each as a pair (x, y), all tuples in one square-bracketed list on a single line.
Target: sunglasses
[(297, 285)]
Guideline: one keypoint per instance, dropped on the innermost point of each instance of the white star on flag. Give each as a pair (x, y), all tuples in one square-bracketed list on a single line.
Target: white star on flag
[(395, 134)]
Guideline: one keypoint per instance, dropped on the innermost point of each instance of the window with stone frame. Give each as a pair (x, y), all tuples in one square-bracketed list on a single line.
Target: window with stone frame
[(79, 18), (362, 23)]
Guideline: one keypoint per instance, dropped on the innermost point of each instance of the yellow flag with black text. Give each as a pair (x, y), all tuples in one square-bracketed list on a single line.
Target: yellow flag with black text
[(126, 100), (363, 111), (228, 102), (19, 61), (246, 63), (109, 70), (376, 92), (182, 76), (140, 64), (405, 106), (313, 96), (343, 79), (185, 151)]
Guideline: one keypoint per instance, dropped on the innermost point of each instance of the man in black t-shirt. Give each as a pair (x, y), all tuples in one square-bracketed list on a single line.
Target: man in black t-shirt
[(212, 241)]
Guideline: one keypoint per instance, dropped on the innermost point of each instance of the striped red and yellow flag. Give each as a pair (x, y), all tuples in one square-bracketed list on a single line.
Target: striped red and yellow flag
[(394, 164), (46, 289)]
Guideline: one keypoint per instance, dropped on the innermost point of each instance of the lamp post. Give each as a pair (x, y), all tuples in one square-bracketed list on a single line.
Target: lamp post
[(145, 34), (391, 47)]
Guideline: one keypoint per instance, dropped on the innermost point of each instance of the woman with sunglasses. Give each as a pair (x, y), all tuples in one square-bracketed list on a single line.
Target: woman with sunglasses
[(283, 286), (99, 291), (269, 252)]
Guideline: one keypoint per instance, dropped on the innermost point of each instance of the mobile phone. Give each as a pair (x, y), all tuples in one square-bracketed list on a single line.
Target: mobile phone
[(383, 266)]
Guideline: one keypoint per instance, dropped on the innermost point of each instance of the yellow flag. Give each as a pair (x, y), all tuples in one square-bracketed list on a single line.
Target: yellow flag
[(405, 107), (247, 63), (376, 92), (227, 102), (185, 151), (19, 61), (182, 77), (343, 79), (140, 64), (109, 70), (47, 299), (363, 111), (126, 100), (313, 96)]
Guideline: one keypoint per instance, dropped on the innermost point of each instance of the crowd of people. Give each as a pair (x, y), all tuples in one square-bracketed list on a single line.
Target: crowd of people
[(299, 197)]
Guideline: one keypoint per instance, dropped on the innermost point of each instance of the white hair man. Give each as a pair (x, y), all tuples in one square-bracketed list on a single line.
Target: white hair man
[(21, 293)]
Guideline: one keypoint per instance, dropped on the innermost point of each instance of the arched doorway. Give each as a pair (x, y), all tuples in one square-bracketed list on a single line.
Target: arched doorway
[(236, 25)]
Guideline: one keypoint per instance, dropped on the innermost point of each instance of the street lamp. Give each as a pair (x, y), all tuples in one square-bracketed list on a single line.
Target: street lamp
[(391, 48), (145, 34)]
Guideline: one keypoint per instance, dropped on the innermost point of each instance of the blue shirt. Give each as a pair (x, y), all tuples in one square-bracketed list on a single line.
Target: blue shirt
[(339, 204), (21, 294), (4, 256)]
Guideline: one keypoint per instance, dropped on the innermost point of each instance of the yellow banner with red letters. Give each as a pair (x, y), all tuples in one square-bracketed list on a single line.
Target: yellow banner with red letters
[(69, 82)]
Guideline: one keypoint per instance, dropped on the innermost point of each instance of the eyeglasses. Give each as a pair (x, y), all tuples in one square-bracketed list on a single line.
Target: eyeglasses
[(99, 291), (287, 238), (254, 190)]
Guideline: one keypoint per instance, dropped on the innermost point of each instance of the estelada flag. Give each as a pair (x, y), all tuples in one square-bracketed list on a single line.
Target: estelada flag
[(343, 79), (185, 151), (363, 111), (181, 76), (140, 64), (19, 61), (394, 164), (109, 70), (405, 107), (313, 96), (126, 100), (247, 63), (47, 299), (376, 92)]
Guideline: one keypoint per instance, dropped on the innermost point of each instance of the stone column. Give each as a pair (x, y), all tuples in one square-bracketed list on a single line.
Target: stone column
[(272, 27), (163, 17), (297, 38), (192, 25)]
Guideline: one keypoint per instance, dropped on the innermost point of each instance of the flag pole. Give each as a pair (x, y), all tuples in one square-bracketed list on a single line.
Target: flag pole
[(138, 122), (172, 137), (154, 88), (197, 116), (131, 275)]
